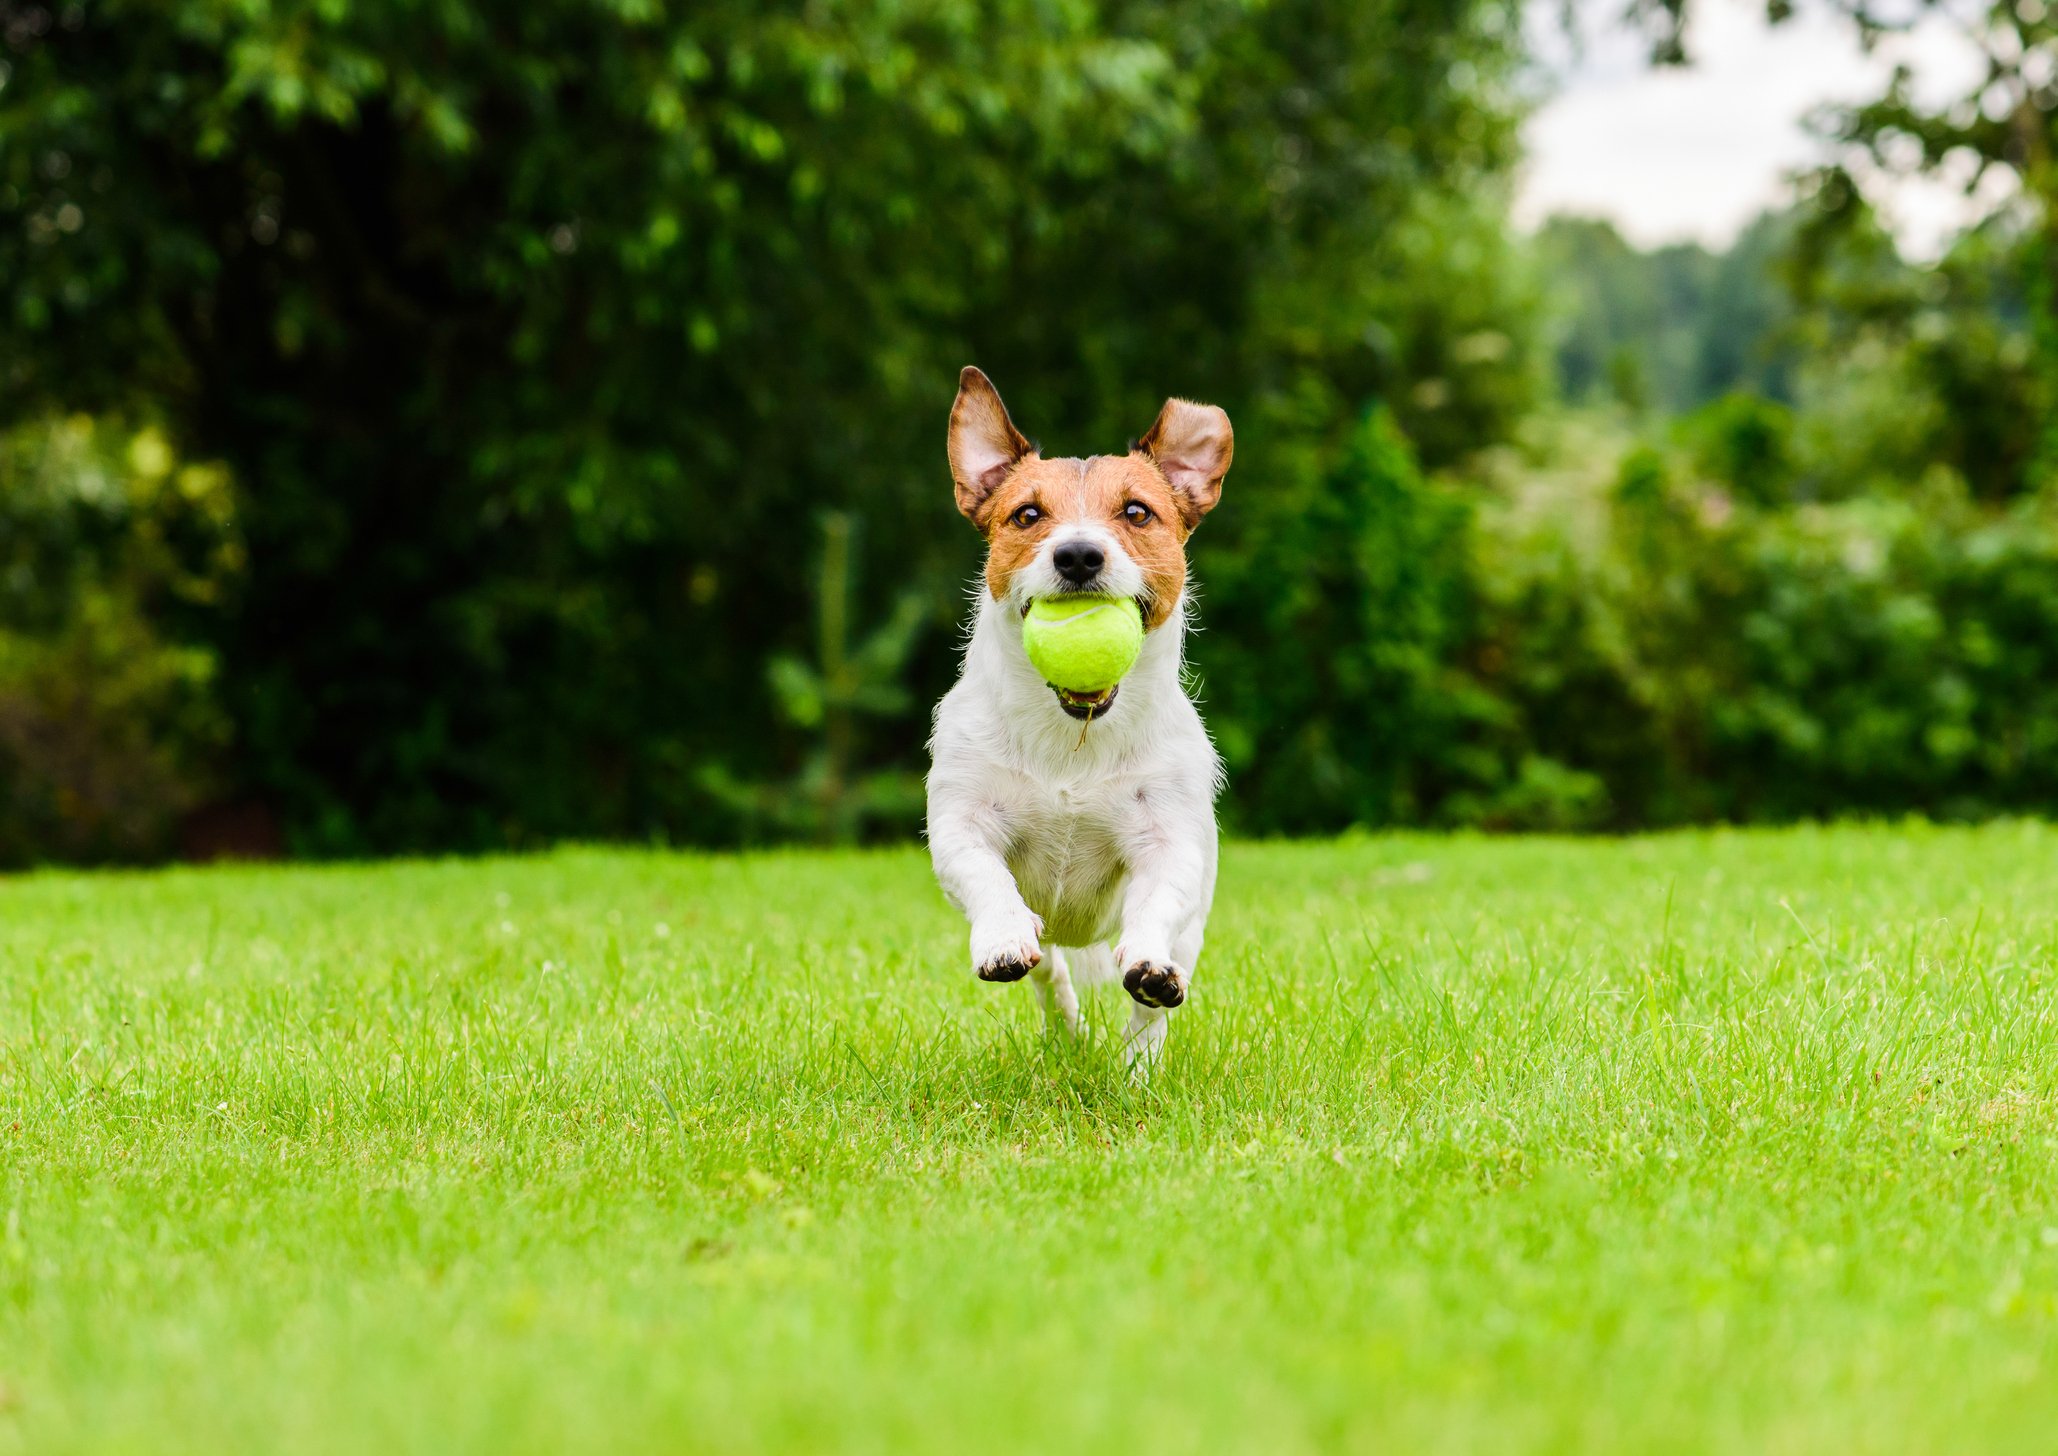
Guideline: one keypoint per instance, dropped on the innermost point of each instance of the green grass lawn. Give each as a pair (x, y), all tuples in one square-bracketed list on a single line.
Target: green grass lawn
[(1712, 1142)]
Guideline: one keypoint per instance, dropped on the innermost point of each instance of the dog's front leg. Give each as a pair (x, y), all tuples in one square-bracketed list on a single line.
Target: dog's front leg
[(1157, 966), (1170, 881), (966, 842)]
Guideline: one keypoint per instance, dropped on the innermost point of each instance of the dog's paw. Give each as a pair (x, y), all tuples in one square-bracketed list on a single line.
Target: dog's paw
[(1009, 950), (1155, 983)]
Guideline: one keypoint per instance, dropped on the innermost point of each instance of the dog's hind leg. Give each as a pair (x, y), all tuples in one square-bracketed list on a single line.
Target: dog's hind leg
[(1092, 965), (1054, 991)]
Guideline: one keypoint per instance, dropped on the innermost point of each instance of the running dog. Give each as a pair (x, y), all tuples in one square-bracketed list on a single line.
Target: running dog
[(1077, 832)]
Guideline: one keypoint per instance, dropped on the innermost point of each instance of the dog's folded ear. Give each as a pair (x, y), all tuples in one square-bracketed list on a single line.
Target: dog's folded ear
[(1191, 445), (984, 443)]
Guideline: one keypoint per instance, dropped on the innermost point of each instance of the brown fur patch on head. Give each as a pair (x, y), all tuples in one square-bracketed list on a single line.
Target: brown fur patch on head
[(1021, 515), (1041, 496)]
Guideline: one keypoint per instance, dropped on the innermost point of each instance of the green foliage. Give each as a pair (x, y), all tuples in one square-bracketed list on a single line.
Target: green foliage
[(526, 345), (1793, 600), (1995, 122), (831, 800), (1670, 329), (529, 333), (1707, 659), (110, 727), (1931, 364), (1746, 444), (1331, 612)]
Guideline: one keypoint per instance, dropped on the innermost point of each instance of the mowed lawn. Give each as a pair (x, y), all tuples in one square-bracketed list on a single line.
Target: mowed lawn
[(1735, 1142)]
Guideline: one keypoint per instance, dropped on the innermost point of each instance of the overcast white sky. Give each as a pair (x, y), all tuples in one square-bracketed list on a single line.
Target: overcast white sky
[(1696, 153)]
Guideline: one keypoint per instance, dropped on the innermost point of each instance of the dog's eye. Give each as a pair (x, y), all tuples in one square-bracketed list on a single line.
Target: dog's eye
[(1026, 516), (1137, 513)]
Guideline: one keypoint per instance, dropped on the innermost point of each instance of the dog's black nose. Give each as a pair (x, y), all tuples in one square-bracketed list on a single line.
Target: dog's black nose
[(1078, 561)]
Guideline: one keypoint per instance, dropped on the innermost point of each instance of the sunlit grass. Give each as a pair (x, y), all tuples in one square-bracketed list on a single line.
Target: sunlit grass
[(1734, 1141)]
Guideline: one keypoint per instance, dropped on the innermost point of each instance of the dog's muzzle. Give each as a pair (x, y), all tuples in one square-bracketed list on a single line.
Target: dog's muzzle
[(1087, 706)]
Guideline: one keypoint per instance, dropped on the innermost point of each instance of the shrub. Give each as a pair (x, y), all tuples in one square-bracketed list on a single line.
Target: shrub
[(1746, 444), (1339, 591), (110, 729), (1709, 660)]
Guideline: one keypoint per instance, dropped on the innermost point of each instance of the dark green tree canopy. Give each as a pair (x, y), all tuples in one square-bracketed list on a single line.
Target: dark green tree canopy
[(536, 337)]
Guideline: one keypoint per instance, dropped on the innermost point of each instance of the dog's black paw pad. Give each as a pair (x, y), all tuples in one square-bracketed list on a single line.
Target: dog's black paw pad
[(1154, 985), (1004, 968)]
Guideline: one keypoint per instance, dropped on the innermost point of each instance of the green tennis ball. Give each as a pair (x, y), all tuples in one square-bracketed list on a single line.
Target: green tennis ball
[(1083, 644)]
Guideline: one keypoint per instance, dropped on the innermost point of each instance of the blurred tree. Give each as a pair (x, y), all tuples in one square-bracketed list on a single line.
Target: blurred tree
[(2001, 128), (1348, 583), (1698, 657), (110, 726), (1668, 329), (847, 682), (1745, 443), (534, 335), (1747, 345)]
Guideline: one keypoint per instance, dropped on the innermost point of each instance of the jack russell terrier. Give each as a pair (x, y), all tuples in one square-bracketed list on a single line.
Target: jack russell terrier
[(1077, 832)]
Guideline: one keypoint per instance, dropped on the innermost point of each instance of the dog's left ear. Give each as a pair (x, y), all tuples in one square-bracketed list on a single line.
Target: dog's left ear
[(1191, 445)]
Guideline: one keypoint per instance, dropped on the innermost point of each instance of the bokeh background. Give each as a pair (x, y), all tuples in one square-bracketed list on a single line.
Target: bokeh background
[(437, 425)]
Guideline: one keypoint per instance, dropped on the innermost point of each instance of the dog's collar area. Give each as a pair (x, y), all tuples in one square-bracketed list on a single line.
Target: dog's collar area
[(1087, 706)]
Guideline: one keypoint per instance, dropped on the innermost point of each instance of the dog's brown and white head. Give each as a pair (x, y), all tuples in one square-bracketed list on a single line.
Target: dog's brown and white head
[(1110, 525)]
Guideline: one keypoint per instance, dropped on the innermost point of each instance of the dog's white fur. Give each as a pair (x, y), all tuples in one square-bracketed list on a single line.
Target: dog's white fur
[(1098, 839)]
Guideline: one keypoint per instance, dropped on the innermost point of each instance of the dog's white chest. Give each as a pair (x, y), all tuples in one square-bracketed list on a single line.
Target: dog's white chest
[(1064, 850)]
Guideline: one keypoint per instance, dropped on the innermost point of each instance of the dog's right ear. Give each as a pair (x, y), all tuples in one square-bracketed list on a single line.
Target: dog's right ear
[(984, 443)]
